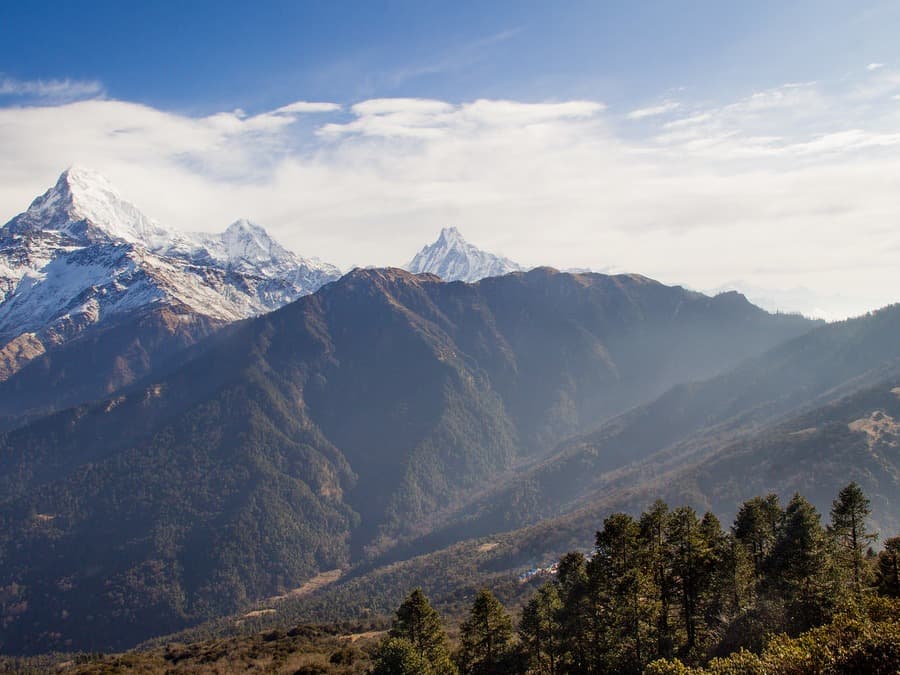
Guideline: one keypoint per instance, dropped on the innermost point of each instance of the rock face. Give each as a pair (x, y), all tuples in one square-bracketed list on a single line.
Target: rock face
[(82, 259), (452, 258)]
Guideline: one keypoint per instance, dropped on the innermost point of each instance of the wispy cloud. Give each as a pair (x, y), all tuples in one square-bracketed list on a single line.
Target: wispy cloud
[(874, 66), (457, 58), (55, 90), (303, 107), (425, 118), (653, 111)]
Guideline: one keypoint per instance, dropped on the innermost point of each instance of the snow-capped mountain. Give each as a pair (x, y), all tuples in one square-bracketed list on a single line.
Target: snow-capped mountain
[(81, 255), (454, 259), (246, 248), (84, 209)]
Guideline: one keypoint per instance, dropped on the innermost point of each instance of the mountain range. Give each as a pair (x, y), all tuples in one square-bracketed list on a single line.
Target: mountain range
[(194, 424), (807, 416), (88, 280), (326, 433), (83, 270)]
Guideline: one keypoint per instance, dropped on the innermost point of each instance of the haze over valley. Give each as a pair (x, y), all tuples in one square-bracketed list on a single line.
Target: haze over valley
[(418, 339)]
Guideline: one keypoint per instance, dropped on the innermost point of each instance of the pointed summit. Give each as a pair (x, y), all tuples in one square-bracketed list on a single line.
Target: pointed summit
[(450, 235), (84, 208), (453, 258), (245, 240), (81, 255), (248, 249)]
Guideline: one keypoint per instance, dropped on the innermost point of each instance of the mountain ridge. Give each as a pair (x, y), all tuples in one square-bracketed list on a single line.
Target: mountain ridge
[(327, 431), (82, 258), (686, 424), (848, 432), (83, 220)]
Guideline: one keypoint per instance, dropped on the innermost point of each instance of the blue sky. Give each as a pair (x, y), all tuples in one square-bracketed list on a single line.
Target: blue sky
[(714, 144), (204, 56)]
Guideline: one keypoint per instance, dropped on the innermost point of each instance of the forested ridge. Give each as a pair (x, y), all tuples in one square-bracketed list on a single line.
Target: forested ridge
[(673, 592), (668, 592), (322, 434)]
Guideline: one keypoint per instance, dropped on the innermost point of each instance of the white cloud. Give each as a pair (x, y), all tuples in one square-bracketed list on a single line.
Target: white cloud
[(429, 119), (874, 66), (56, 90), (391, 106), (513, 113), (653, 111), (303, 107), (786, 187)]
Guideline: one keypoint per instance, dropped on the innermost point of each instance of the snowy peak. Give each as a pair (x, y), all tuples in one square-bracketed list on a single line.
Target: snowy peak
[(248, 248), (451, 236), (245, 240), (453, 258), (82, 255), (84, 208)]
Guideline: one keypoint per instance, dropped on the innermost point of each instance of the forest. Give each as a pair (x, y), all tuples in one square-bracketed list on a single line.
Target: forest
[(674, 592), (668, 593)]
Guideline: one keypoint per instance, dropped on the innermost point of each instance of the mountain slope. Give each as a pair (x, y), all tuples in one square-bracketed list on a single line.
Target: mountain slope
[(853, 438), (452, 258), (325, 432), (100, 362), (691, 422), (82, 258)]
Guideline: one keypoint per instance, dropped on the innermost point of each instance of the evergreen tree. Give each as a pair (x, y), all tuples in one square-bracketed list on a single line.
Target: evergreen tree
[(618, 583), (653, 525), (756, 527), (798, 566), (888, 568), (720, 586), (486, 636), (848, 525), (539, 631), (575, 625), (611, 614), (398, 656), (417, 622), (689, 551)]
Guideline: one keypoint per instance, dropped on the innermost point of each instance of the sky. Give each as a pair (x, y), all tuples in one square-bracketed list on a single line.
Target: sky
[(710, 144)]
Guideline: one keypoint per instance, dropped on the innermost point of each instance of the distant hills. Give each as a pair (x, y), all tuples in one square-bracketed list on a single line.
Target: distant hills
[(810, 415), (326, 432), (696, 430)]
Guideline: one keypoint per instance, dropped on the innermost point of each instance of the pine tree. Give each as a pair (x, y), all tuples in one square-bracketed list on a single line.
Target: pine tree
[(486, 636), (398, 656), (719, 596), (798, 566), (418, 623), (689, 551), (539, 631), (617, 584), (756, 527), (575, 618), (653, 525), (848, 525)]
